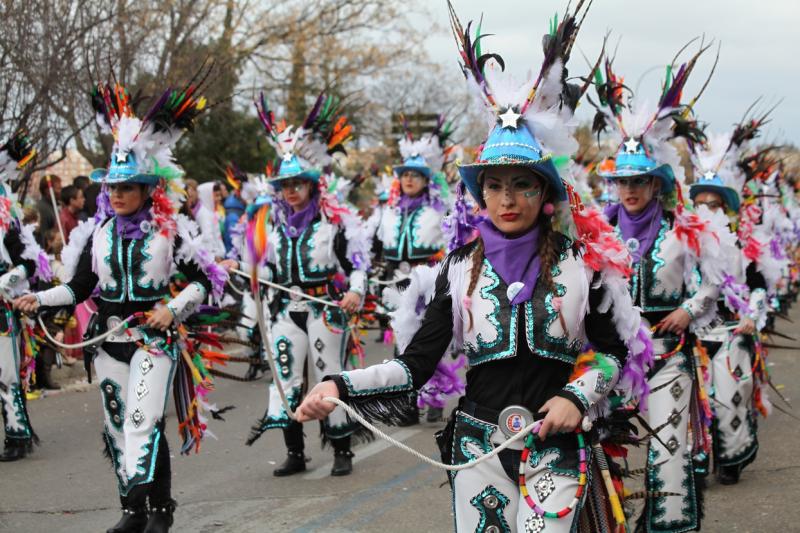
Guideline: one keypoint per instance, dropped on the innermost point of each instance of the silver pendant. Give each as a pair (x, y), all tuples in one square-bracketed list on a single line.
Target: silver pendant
[(514, 289), (632, 245)]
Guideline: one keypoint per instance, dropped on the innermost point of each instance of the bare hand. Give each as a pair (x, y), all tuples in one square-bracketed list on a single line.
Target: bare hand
[(313, 406), (351, 302), (229, 264), (160, 319), (675, 322), (746, 327), (562, 417), (28, 304)]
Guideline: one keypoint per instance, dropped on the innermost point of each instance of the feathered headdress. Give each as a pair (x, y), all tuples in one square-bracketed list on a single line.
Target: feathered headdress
[(306, 151), (642, 130), (530, 121), (142, 151), (15, 154), (428, 154)]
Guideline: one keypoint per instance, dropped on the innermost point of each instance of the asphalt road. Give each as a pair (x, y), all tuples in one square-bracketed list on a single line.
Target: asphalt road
[(67, 485)]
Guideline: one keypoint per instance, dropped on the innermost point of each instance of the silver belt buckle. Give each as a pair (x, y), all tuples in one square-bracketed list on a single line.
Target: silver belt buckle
[(404, 267), (514, 419), (294, 295)]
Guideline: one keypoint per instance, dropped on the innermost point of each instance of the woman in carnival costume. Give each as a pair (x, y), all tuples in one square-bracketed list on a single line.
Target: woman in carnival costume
[(678, 260), (523, 301), (738, 375), (127, 253), (22, 261), (410, 234), (319, 247)]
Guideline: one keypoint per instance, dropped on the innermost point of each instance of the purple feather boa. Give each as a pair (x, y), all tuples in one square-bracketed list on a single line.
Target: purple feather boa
[(217, 275), (43, 270), (104, 209), (735, 295), (639, 363), (444, 383)]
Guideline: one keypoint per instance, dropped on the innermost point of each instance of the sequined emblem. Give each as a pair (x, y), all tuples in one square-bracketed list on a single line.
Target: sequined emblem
[(602, 384), (319, 345), (675, 418), (632, 244), (146, 365), (137, 417), (534, 524), (545, 486), (320, 364), (141, 390), (736, 422), (736, 399), (738, 371), (676, 390)]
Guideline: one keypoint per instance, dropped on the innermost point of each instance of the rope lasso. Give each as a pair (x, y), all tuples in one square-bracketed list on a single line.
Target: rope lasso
[(94, 340), (267, 336), (268, 283)]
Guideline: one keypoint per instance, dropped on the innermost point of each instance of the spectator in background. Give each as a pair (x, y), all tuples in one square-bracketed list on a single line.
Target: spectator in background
[(47, 215), (191, 205), (72, 201), (234, 209), (83, 182), (91, 193), (209, 217)]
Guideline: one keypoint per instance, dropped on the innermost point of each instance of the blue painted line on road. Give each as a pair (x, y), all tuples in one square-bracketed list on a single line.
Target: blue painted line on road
[(335, 515)]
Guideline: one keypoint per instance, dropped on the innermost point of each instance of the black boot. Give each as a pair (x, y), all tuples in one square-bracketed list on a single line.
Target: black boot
[(295, 463), (134, 513), (296, 460), (434, 414), (342, 463), (729, 475), (16, 449), (160, 517), (342, 457)]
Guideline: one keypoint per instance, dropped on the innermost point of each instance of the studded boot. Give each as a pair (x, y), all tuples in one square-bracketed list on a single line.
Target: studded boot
[(296, 459), (134, 512), (342, 457), (160, 518)]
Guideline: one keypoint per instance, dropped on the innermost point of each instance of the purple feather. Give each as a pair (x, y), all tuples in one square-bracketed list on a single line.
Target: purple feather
[(735, 294), (217, 275), (104, 209), (43, 270), (775, 249), (639, 363), (314, 113), (445, 382)]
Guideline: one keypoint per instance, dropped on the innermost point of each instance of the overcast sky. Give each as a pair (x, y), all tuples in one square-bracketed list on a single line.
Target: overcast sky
[(760, 53)]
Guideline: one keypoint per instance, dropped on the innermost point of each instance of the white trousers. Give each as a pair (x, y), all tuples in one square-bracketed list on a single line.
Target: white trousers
[(15, 415), (134, 399)]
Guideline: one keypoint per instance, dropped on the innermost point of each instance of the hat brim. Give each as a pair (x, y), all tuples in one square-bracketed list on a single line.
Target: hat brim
[(102, 175), (399, 169), (663, 172), (727, 194), (310, 175), (543, 167)]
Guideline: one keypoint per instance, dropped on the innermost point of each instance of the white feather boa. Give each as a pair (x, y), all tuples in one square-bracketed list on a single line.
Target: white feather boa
[(33, 252), (406, 316), (78, 240)]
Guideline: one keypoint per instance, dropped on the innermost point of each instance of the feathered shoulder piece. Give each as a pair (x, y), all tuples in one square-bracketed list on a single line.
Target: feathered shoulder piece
[(15, 154), (324, 132), (545, 102)]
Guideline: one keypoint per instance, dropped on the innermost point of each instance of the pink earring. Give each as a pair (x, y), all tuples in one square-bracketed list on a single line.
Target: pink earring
[(548, 209)]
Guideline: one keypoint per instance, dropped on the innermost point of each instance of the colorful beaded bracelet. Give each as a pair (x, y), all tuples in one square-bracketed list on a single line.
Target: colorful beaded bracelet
[(582, 479), (672, 352)]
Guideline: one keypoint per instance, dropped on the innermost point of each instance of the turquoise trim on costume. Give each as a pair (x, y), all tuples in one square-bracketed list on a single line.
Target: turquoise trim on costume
[(148, 453), (283, 356), (569, 387), (651, 302), (552, 314), (536, 457), (21, 415), (656, 511), (72, 293), (115, 454), (353, 393), (282, 420), (484, 444), (109, 288)]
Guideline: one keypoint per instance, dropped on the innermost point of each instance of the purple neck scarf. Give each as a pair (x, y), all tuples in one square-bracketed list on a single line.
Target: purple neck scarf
[(638, 231), (516, 260), (136, 225), (406, 203), (298, 221)]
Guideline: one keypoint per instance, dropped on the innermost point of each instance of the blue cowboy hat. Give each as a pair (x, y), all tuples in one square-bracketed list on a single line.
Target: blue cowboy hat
[(512, 146), (123, 169), (632, 160), (711, 182), (415, 163), (291, 168)]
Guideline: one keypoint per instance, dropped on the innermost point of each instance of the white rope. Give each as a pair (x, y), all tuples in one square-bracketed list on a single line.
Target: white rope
[(266, 334), (287, 289), (84, 344), (532, 427)]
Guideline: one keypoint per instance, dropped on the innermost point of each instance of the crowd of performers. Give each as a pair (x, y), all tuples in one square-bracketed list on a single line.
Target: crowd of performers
[(607, 299)]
